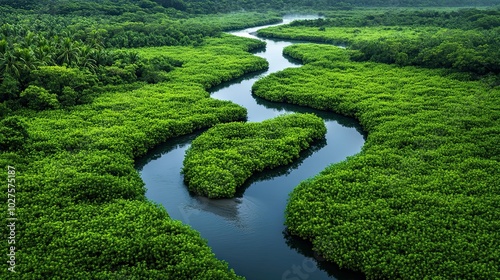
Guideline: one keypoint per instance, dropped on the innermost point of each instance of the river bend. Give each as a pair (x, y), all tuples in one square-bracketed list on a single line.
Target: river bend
[(248, 231)]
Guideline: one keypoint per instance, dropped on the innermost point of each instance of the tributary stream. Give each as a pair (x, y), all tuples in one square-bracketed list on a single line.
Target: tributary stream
[(248, 231)]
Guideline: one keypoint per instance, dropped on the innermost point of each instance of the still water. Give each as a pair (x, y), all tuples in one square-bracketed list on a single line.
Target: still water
[(248, 231)]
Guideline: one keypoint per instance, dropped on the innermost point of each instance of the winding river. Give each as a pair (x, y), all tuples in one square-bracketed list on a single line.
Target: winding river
[(248, 231)]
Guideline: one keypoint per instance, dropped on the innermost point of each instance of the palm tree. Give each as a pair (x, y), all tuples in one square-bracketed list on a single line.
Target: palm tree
[(3, 46), (103, 58), (18, 63), (10, 65), (30, 40), (95, 39), (28, 59), (45, 52), (87, 55), (69, 52), (133, 57)]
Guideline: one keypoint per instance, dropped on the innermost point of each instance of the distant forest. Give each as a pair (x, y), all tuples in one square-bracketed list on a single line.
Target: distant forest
[(118, 7)]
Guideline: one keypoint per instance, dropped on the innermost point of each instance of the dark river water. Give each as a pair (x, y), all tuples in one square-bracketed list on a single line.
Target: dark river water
[(248, 231)]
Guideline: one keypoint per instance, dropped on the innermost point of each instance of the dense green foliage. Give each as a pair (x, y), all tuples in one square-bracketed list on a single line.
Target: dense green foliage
[(80, 203), (77, 105), (121, 239), (419, 39), (422, 199), (68, 56), (89, 7), (221, 159), (218, 60), (453, 18), (13, 134)]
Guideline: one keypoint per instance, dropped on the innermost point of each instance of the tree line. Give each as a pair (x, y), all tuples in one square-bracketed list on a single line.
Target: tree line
[(465, 40), (79, 52), (119, 7)]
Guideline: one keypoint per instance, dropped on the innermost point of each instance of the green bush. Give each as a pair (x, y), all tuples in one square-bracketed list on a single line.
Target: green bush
[(38, 98), (69, 84), (13, 134), (116, 75), (116, 240), (55, 78), (9, 88)]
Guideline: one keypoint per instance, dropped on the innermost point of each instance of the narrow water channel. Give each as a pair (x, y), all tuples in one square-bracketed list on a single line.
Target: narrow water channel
[(248, 231)]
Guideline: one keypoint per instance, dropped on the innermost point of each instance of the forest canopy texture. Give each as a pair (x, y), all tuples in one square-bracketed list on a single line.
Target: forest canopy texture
[(87, 87)]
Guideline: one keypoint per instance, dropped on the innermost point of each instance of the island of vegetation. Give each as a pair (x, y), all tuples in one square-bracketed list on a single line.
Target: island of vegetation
[(221, 159)]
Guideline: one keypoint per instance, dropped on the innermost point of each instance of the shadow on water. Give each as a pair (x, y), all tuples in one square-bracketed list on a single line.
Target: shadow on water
[(228, 209), (304, 247), (246, 77), (325, 115), (270, 174), (164, 148)]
